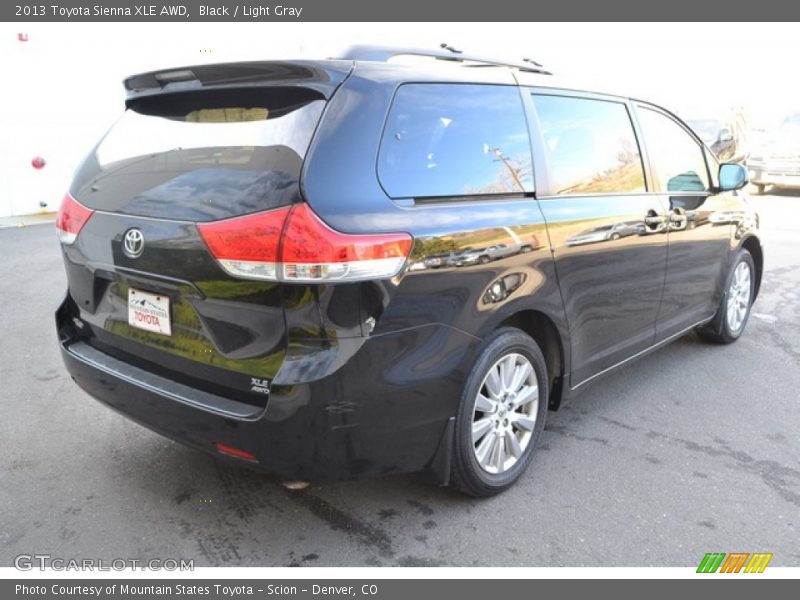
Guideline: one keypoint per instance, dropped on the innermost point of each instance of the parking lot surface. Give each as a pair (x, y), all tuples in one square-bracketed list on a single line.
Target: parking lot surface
[(692, 449)]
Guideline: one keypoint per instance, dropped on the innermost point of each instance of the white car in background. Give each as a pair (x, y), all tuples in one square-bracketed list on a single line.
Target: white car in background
[(777, 161)]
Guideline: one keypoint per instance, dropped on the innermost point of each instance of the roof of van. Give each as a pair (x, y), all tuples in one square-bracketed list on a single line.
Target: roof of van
[(450, 64), (427, 71)]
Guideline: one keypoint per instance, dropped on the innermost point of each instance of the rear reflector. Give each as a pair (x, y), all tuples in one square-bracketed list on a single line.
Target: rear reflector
[(71, 218), (235, 452), (293, 244)]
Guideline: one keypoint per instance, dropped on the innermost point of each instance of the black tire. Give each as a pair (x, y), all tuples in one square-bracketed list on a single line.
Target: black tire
[(718, 330), (467, 474), (615, 236), (483, 260)]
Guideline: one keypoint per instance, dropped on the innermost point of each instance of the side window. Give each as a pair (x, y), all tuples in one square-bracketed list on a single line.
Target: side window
[(676, 156), (591, 145), (455, 140)]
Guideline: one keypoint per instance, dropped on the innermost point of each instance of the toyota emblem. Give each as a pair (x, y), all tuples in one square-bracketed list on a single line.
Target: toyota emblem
[(133, 243)]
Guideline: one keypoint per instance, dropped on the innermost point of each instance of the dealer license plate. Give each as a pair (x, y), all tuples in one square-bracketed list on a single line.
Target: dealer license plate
[(149, 312)]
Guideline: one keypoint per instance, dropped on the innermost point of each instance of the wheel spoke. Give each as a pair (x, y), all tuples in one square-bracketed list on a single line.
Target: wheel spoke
[(493, 384), (525, 423), (484, 404), (513, 444), (480, 428), (501, 376), (526, 395), (484, 450), (521, 373), (507, 373), (499, 453)]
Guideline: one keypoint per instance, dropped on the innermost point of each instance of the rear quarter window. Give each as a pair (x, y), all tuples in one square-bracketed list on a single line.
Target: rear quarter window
[(454, 140)]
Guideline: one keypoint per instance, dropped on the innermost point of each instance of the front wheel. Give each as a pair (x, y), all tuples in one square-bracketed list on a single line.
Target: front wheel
[(734, 310), (501, 415)]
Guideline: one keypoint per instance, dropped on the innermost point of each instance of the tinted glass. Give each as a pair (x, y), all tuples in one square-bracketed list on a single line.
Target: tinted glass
[(590, 144), (455, 140), (676, 156), (202, 156)]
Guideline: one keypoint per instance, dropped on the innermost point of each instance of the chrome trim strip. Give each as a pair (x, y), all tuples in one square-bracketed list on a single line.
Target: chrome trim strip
[(109, 213), (166, 388), (623, 194), (642, 352)]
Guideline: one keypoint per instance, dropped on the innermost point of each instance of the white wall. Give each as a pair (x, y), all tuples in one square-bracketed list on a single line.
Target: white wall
[(62, 88)]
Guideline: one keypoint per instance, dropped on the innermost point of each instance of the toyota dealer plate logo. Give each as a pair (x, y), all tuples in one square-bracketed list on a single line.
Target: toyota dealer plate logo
[(133, 244)]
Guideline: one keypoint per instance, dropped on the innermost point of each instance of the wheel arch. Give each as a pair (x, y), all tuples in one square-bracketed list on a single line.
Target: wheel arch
[(753, 245), (545, 333)]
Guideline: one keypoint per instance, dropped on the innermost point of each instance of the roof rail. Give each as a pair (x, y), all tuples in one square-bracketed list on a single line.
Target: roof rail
[(448, 53)]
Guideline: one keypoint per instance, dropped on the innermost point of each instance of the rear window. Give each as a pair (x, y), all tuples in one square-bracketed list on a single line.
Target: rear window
[(202, 156), (455, 140)]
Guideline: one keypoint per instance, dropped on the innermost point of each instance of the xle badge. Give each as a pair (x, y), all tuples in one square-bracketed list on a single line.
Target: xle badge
[(260, 386)]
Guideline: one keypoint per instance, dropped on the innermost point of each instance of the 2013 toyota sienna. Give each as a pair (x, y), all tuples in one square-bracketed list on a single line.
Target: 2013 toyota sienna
[(249, 253)]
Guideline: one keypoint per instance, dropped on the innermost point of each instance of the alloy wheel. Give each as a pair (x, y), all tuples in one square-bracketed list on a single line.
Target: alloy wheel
[(738, 297), (505, 412)]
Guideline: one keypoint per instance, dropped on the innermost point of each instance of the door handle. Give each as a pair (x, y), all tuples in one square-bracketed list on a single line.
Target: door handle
[(654, 220), (677, 220)]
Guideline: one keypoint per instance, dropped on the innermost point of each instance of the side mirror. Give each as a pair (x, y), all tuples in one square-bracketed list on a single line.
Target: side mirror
[(725, 135), (732, 176)]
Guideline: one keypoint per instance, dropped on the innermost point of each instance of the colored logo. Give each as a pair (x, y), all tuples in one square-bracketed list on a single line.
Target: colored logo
[(736, 562)]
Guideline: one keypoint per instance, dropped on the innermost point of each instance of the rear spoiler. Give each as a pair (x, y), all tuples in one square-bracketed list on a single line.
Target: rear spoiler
[(321, 76)]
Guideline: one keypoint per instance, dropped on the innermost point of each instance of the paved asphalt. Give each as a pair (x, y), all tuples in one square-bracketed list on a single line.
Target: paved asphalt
[(692, 449)]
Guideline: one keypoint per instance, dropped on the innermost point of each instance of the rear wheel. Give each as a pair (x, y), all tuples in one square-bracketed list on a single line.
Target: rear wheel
[(734, 309), (501, 415)]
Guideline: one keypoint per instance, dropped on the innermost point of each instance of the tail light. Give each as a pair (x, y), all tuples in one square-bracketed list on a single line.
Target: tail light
[(72, 216), (293, 244), (247, 246)]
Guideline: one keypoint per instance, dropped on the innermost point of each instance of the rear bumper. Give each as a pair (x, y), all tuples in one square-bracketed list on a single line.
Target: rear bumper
[(386, 411), (783, 177)]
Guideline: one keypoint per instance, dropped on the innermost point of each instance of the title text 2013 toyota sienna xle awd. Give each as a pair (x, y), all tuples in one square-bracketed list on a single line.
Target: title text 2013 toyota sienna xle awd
[(248, 253)]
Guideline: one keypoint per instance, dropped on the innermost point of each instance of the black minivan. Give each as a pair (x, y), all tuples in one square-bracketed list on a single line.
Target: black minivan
[(354, 267)]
